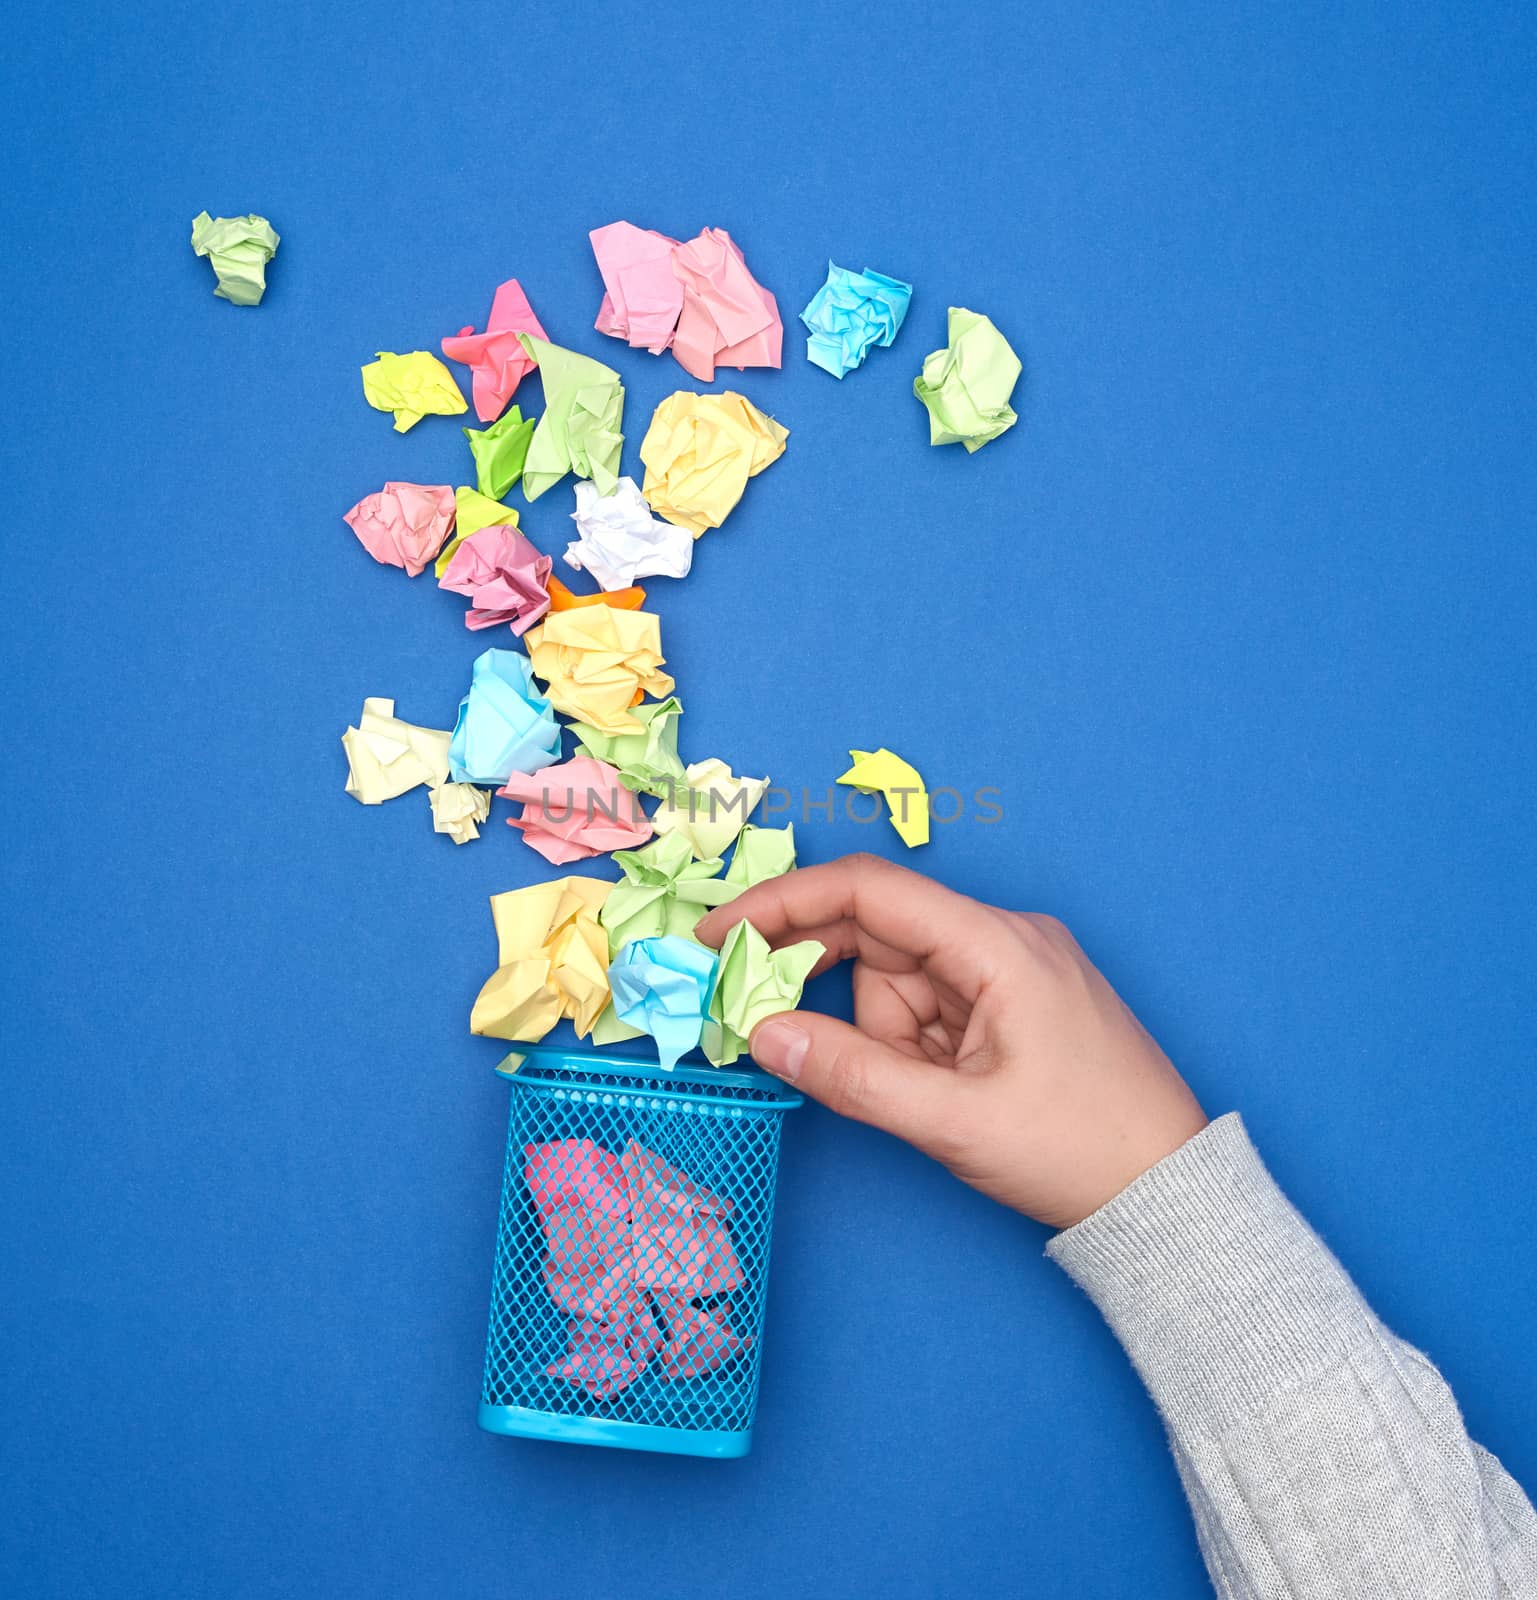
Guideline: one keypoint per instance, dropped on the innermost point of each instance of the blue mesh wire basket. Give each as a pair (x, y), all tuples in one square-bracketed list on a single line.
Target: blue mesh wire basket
[(632, 1254)]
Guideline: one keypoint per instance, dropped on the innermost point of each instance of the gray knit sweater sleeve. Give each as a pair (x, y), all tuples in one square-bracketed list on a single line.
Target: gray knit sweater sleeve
[(1321, 1456)]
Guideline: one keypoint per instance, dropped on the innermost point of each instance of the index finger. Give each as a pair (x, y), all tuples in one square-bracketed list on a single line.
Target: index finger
[(952, 936)]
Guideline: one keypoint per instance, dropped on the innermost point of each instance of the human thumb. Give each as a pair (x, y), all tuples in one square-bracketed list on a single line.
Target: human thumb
[(853, 1074)]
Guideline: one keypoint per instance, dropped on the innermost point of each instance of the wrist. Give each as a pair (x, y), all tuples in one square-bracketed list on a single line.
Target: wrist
[(1219, 1291), (1127, 1152)]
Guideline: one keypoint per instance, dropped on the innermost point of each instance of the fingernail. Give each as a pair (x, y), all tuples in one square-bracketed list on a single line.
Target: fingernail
[(781, 1048)]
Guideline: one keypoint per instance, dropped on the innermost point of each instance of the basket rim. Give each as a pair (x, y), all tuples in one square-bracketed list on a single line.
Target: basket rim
[(534, 1063)]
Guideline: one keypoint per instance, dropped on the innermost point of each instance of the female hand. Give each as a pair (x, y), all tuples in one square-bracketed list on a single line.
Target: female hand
[(984, 1037)]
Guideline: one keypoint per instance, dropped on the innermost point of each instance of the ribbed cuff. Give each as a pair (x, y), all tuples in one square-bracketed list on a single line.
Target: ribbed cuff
[(1220, 1292)]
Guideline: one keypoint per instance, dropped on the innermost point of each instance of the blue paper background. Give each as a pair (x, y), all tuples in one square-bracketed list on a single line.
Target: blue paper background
[(1239, 618)]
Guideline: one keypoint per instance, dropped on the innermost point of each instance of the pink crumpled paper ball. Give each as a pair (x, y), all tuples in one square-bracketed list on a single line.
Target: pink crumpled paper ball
[(576, 809), (699, 299), (634, 1245), (503, 576), (404, 524), (497, 360)]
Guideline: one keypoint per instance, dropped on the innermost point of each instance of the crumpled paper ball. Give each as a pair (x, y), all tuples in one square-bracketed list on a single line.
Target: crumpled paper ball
[(238, 249), (597, 662), (621, 541), (497, 361), (576, 809), (852, 313), (753, 983), (503, 576), (967, 385), (404, 524), (504, 725), (699, 452), (412, 386), (458, 809), (552, 961), (662, 986)]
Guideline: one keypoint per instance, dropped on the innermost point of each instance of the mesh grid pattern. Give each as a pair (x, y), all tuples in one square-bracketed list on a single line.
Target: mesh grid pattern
[(633, 1250)]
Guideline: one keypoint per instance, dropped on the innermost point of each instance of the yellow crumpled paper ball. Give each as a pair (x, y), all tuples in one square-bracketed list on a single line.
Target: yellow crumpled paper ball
[(552, 960), (596, 662), (699, 452), (710, 807), (412, 386), (458, 809)]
